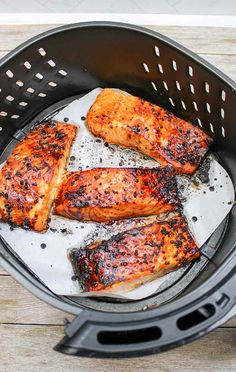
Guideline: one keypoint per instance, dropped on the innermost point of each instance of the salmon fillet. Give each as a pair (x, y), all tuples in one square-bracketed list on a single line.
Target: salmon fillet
[(106, 194), (132, 122), (29, 178), (134, 257)]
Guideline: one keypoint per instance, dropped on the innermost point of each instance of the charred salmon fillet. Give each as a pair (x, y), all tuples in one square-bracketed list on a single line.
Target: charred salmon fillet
[(134, 257), (106, 194), (30, 176), (129, 121)]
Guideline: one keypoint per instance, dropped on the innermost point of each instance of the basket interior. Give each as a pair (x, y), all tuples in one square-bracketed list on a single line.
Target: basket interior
[(44, 74)]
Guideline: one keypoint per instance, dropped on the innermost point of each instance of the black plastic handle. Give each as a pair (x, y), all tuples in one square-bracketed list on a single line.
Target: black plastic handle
[(96, 334)]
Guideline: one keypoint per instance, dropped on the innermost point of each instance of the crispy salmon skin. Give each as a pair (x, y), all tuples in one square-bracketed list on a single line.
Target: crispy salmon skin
[(134, 257), (129, 121), (106, 194), (30, 176)]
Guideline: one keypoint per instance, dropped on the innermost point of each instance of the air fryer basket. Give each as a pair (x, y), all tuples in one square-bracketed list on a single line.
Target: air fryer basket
[(47, 72)]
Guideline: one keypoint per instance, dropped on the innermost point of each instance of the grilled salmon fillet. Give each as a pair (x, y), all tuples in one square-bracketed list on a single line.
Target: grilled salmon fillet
[(29, 178), (106, 194), (132, 122), (134, 257)]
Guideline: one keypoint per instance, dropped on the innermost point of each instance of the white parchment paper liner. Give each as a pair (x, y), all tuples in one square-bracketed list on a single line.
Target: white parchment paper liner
[(208, 203)]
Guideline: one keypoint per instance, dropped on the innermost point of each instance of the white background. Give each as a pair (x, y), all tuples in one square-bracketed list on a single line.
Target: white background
[(163, 12)]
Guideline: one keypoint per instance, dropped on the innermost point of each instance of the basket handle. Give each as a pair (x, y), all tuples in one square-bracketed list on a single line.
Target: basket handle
[(99, 334)]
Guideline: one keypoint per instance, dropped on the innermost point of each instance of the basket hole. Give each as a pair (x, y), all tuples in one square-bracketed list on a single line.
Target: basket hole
[(178, 85), (19, 83), (39, 76), (30, 90), (154, 85), (192, 90), (64, 73), (207, 87), (222, 113), (160, 68), (199, 122), (27, 65), (165, 85), (157, 51), (15, 116), (10, 74), (223, 95), (10, 98), (126, 337), (3, 113), (52, 84), (42, 95), (183, 105), (196, 317), (195, 106), (174, 65), (223, 131), (190, 71), (208, 107), (171, 101), (145, 66), (211, 128), (51, 63), (42, 52), (23, 104)]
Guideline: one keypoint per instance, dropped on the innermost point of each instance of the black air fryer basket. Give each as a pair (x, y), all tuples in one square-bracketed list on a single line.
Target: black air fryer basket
[(49, 71)]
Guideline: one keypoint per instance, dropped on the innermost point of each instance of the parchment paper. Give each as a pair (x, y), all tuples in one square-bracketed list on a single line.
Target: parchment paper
[(206, 203)]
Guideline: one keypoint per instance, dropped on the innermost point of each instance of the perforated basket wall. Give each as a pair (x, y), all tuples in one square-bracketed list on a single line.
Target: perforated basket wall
[(62, 64)]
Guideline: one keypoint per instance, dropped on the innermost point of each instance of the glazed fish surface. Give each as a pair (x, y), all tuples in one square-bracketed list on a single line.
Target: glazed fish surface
[(129, 121), (107, 194), (134, 257), (30, 176)]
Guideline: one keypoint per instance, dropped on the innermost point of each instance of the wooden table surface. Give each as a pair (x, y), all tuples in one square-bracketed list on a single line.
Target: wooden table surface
[(30, 328)]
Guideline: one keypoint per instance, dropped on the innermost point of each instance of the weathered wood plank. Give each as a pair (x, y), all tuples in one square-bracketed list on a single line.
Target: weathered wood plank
[(225, 63), (3, 272), (12, 36), (230, 324), (205, 40), (30, 348), (199, 39), (3, 53), (17, 305)]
